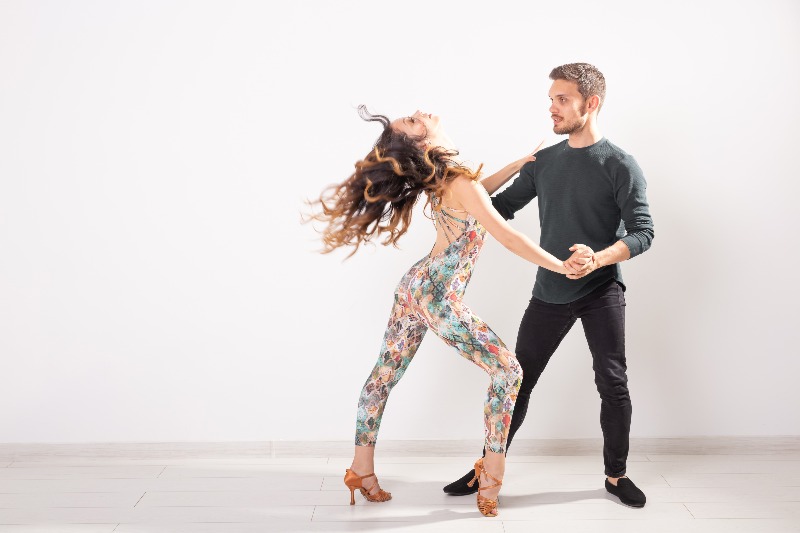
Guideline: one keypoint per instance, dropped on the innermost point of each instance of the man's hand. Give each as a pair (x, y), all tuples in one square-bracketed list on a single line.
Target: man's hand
[(581, 263)]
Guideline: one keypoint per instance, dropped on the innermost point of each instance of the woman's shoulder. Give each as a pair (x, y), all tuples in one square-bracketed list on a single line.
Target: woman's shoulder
[(459, 183), (452, 191)]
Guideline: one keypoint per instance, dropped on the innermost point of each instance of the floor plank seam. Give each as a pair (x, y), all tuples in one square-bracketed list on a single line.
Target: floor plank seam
[(690, 511), (312, 513), (162, 471), (140, 499)]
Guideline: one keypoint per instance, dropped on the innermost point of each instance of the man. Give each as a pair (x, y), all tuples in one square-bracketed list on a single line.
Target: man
[(592, 192)]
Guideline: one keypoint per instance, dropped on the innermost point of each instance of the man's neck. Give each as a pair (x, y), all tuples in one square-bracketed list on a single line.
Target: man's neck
[(586, 136)]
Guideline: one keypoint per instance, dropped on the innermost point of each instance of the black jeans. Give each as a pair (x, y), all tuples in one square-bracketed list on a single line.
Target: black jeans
[(602, 313)]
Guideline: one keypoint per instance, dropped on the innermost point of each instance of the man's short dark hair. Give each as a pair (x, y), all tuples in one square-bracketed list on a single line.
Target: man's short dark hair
[(590, 80)]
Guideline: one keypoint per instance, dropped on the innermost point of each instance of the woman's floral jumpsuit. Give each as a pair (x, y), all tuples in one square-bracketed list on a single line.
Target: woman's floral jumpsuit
[(429, 296)]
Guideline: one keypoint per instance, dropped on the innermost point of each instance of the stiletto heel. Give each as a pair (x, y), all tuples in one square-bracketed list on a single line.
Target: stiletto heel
[(486, 506), (354, 481)]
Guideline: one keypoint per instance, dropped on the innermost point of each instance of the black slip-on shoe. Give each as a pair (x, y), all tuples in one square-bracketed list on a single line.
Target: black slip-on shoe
[(627, 492), (460, 488)]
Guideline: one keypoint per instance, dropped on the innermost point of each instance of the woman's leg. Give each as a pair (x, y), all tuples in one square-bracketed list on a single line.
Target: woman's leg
[(403, 336), (459, 327)]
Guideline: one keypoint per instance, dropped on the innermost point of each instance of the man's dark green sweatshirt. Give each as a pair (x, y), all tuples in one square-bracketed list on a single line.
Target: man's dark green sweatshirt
[(593, 196)]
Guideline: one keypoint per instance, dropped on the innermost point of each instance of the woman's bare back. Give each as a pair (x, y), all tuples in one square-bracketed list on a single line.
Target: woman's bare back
[(450, 220)]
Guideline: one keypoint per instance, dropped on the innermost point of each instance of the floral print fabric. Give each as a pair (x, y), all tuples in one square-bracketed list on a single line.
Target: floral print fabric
[(429, 297)]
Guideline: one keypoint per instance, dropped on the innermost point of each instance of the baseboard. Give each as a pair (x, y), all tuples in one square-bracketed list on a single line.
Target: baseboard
[(733, 445)]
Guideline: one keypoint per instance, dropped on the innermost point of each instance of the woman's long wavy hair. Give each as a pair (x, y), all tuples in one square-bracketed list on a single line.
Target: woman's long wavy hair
[(379, 197)]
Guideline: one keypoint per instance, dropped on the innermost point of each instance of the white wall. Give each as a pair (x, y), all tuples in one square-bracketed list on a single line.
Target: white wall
[(155, 282)]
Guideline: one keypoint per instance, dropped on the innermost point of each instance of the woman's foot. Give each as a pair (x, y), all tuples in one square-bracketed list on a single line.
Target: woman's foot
[(488, 489), (360, 476), (368, 486)]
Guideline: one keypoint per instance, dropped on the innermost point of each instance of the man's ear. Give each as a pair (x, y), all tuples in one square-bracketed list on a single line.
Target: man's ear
[(594, 102)]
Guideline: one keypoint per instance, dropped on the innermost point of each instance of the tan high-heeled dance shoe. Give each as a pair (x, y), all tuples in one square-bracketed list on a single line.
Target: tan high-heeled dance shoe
[(486, 506), (354, 481)]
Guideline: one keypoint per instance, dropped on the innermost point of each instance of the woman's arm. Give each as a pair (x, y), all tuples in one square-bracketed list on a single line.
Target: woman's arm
[(476, 201), (499, 178)]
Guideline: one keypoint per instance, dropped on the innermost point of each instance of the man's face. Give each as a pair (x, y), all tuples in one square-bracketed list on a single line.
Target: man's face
[(568, 109)]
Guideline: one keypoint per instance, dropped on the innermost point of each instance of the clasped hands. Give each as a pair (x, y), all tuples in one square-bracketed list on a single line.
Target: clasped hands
[(581, 263)]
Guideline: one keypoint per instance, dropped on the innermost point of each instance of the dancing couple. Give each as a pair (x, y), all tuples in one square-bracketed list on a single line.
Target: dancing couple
[(593, 213)]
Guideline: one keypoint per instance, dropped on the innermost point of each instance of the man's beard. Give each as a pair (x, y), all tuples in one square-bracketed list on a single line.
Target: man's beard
[(565, 128)]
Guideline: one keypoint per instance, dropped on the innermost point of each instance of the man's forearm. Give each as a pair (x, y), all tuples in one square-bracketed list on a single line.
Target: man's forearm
[(616, 253)]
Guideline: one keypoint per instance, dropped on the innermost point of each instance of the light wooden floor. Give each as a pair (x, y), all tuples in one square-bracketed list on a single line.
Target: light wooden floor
[(706, 485)]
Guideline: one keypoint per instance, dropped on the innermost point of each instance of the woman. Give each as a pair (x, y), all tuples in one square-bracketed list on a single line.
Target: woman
[(413, 156)]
